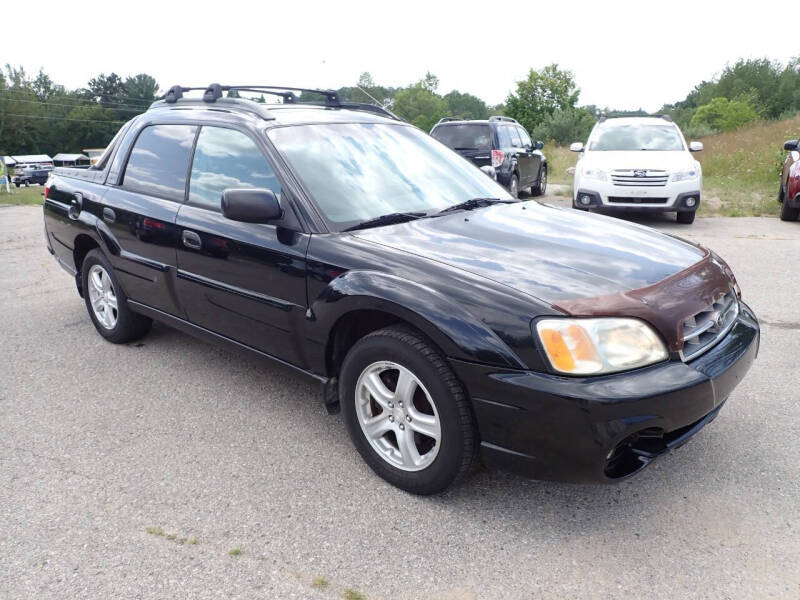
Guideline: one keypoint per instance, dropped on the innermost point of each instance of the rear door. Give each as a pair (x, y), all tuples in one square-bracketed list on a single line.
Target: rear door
[(140, 213), (245, 281)]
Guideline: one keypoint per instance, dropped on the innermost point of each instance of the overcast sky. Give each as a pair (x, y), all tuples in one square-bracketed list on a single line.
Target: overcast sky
[(623, 54)]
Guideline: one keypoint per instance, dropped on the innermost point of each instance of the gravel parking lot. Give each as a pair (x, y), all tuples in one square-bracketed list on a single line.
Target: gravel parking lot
[(137, 471)]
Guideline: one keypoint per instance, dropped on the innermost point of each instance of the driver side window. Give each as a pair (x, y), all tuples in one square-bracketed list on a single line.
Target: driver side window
[(226, 159), (526, 140)]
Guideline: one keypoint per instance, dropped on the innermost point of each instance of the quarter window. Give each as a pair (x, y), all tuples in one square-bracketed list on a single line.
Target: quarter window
[(227, 159), (514, 135), (159, 161)]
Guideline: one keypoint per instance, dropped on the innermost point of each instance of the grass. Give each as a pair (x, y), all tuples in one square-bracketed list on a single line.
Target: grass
[(22, 195), (741, 168), (320, 582), (235, 552), (155, 531), (353, 594)]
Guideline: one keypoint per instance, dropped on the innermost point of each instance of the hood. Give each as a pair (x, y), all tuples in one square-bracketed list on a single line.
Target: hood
[(547, 252), (649, 159)]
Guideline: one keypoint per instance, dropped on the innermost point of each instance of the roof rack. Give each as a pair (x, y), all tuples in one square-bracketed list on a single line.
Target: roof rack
[(447, 120), (499, 118), (632, 116), (214, 94)]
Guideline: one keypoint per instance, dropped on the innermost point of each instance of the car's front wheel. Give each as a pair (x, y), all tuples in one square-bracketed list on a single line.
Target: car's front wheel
[(107, 303), (787, 212), (541, 186), (513, 186), (406, 412), (686, 217)]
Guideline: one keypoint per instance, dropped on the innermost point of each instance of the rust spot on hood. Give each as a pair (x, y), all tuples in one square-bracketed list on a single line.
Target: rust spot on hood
[(665, 304)]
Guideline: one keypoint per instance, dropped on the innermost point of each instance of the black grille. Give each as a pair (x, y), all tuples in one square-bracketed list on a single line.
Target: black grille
[(626, 200)]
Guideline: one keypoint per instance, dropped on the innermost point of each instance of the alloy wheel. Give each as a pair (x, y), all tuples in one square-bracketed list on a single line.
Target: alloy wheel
[(398, 416), (102, 297)]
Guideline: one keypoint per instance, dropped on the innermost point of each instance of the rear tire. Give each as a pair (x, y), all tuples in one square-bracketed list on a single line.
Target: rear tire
[(107, 303), (788, 213), (541, 185), (427, 440), (686, 218), (513, 186)]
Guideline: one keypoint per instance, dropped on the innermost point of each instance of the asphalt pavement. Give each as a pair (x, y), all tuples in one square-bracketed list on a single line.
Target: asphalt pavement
[(169, 468)]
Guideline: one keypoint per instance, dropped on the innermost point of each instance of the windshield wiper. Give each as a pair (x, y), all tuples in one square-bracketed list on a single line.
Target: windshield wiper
[(389, 219), (472, 204)]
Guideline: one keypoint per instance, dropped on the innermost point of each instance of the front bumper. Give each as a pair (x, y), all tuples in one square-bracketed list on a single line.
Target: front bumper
[(669, 198), (603, 429)]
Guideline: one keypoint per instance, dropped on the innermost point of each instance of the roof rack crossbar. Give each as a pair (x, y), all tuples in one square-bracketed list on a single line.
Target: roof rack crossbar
[(501, 118)]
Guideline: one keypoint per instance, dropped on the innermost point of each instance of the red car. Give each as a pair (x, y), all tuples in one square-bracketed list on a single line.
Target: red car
[(789, 195)]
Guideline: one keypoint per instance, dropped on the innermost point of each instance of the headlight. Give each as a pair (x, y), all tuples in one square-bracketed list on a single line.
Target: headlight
[(691, 173), (597, 174), (597, 346)]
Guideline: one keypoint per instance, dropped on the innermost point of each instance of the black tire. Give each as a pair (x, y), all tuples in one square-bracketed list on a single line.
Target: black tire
[(513, 185), (408, 348), (129, 325), (788, 213), (541, 184), (686, 217)]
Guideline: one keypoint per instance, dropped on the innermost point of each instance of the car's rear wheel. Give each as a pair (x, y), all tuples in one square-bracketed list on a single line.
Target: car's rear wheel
[(788, 213), (541, 186), (686, 217), (107, 303), (513, 186), (406, 412)]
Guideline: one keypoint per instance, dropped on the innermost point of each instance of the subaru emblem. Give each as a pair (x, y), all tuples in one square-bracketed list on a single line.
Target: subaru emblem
[(639, 173)]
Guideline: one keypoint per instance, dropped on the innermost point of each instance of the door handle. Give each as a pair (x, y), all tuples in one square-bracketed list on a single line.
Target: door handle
[(109, 215), (191, 240)]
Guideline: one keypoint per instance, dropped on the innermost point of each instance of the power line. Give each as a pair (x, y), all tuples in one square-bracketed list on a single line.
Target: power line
[(88, 105), (131, 101), (58, 118)]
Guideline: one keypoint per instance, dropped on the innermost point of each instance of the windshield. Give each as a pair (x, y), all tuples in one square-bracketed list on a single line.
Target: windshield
[(359, 171), (464, 137), (636, 137)]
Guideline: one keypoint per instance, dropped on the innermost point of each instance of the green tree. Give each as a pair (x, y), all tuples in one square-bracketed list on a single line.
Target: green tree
[(141, 89), (419, 106), (722, 114), (466, 106), (565, 126), (541, 94), (108, 90)]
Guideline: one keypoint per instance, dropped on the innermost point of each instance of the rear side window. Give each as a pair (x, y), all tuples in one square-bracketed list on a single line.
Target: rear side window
[(502, 137), (227, 159), (464, 137), (514, 135), (159, 161)]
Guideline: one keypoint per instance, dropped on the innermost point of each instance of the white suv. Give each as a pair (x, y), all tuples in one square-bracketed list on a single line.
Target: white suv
[(640, 163)]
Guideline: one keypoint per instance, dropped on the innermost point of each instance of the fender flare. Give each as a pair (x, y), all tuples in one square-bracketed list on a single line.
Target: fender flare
[(458, 333)]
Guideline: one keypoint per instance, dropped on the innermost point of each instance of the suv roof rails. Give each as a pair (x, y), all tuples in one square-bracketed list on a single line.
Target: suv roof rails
[(627, 116), (213, 94), (447, 120), (500, 118)]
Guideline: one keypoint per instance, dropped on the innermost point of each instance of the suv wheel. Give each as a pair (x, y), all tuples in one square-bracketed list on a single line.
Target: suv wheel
[(406, 412), (541, 186), (107, 303), (788, 213), (513, 186), (687, 217)]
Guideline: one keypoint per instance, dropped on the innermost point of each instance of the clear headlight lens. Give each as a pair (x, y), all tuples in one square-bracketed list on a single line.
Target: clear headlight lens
[(598, 346), (686, 174), (592, 173)]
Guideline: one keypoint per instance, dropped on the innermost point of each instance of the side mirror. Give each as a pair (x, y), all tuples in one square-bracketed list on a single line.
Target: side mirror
[(255, 205), (539, 145), (695, 146), (576, 147), (790, 145)]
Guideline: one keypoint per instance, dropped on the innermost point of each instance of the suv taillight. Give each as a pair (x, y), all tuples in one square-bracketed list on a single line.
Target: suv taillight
[(498, 156)]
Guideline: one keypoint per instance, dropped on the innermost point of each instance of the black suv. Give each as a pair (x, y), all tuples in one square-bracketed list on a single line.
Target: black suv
[(502, 143), (442, 315)]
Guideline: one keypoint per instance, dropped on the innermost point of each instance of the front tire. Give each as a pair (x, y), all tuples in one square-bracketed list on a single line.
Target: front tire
[(513, 186), (406, 412), (107, 303), (788, 213), (686, 218)]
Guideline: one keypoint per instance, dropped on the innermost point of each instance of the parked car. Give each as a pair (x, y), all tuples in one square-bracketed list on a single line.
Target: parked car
[(443, 316), (639, 163), (30, 174), (789, 194), (501, 143)]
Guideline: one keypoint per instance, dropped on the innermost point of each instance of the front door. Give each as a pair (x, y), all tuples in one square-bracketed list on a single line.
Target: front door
[(245, 281)]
